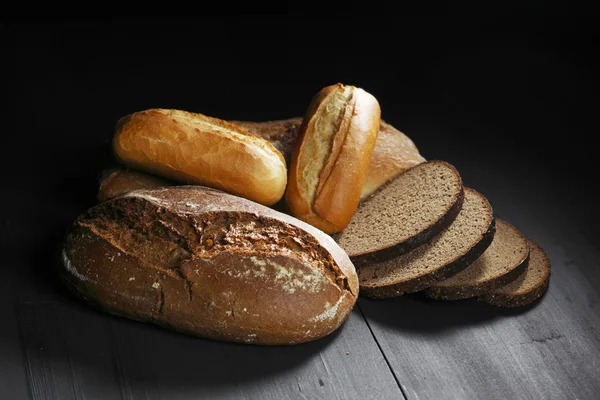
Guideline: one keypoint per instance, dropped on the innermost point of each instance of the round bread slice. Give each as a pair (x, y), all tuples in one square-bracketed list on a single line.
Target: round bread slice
[(500, 264), (528, 287), (403, 214), (445, 255)]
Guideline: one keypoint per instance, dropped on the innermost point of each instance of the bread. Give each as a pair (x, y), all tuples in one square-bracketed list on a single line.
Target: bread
[(331, 156), (281, 134), (443, 256), (117, 181), (527, 287), (207, 263), (500, 264), (405, 213), (197, 149), (393, 154)]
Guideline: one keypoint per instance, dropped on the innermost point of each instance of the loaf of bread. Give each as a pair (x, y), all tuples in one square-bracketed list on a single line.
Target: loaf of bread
[(207, 263), (393, 154), (194, 148), (117, 181), (331, 156)]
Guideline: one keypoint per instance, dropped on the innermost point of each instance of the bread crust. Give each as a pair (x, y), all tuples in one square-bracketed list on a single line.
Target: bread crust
[(209, 264), (425, 281), (468, 291), (394, 153), (510, 300), (340, 181), (117, 181), (520, 300), (197, 149), (421, 237)]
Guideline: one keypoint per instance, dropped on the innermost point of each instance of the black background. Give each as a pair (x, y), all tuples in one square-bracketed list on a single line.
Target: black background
[(508, 94), (516, 83)]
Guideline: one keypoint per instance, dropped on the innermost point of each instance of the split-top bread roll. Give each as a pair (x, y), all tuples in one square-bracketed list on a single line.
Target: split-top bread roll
[(197, 149), (331, 156)]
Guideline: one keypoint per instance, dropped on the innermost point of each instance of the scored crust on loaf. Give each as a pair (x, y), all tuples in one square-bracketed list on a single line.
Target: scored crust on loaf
[(403, 214), (211, 264), (527, 287), (503, 261), (444, 255)]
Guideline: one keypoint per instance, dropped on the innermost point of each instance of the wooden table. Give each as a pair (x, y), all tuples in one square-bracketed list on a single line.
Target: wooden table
[(510, 113)]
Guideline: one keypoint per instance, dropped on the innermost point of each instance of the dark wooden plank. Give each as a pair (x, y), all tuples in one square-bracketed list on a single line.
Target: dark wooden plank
[(72, 352), (13, 380), (345, 365), (470, 350)]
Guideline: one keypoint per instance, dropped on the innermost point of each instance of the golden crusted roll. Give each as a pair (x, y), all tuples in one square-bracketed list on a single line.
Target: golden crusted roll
[(331, 156), (197, 149)]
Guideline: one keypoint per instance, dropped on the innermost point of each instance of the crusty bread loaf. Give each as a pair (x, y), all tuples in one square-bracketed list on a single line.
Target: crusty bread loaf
[(282, 134), (405, 213), (527, 287), (117, 181), (500, 264), (443, 256), (393, 154), (210, 264), (194, 148), (331, 156)]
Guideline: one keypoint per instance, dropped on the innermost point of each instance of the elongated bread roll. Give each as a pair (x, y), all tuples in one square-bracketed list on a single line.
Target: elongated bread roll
[(194, 148), (331, 156)]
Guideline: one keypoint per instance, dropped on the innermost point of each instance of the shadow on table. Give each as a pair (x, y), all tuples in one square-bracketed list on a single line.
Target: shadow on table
[(417, 313)]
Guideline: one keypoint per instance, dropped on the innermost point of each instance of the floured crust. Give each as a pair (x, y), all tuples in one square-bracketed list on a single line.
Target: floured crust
[(194, 148), (210, 264)]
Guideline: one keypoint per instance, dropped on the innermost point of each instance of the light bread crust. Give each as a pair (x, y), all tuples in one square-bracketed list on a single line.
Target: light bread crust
[(393, 154), (329, 202), (209, 264), (197, 149)]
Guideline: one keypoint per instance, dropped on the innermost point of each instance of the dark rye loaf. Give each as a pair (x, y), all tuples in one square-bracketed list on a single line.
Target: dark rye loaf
[(403, 214), (529, 286), (210, 264), (500, 264), (443, 256)]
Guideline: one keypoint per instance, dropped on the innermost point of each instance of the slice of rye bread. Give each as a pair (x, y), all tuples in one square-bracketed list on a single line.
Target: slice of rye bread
[(403, 214), (500, 264), (529, 286), (443, 256)]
